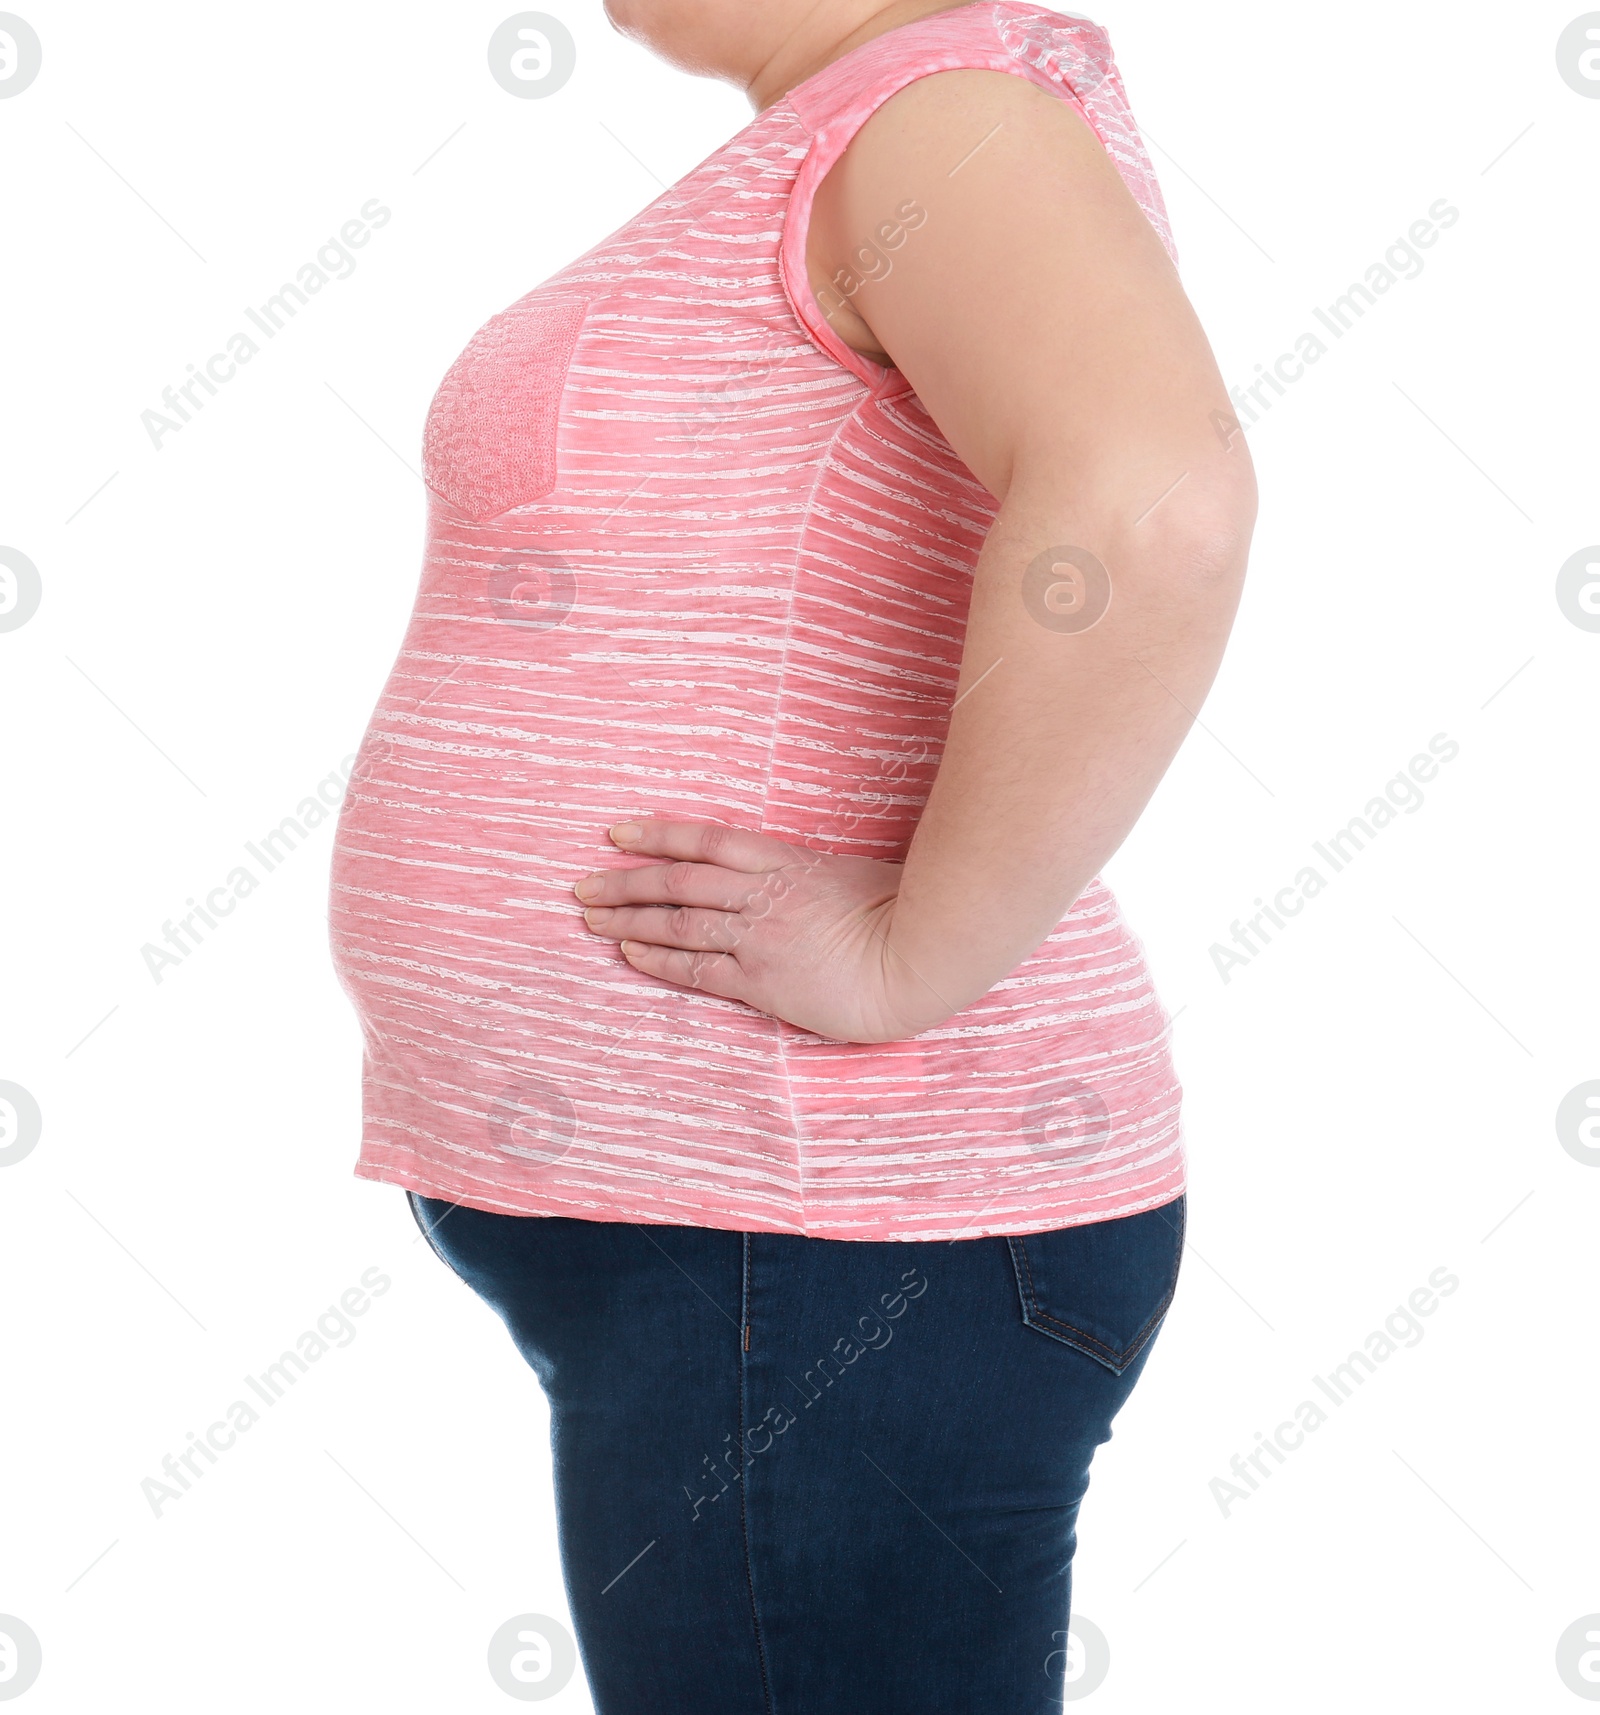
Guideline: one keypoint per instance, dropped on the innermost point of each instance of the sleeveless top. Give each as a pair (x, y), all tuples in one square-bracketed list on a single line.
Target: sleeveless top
[(690, 556)]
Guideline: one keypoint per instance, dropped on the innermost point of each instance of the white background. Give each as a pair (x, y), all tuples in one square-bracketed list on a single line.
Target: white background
[(1369, 1099)]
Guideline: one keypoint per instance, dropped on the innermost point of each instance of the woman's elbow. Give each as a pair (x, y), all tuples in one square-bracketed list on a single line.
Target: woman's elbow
[(1200, 533)]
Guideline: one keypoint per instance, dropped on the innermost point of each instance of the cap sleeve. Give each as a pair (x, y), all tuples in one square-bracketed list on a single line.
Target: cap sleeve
[(1062, 54)]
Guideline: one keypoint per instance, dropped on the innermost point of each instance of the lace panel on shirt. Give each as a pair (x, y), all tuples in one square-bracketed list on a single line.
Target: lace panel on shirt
[(490, 439)]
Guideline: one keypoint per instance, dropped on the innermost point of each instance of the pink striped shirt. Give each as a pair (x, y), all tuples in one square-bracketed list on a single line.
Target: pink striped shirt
[(689, 556)]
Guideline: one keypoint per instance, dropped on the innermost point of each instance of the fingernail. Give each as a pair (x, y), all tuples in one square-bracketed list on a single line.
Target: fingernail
[(597, 914), (625, 833), (633, 948), (588, 887)]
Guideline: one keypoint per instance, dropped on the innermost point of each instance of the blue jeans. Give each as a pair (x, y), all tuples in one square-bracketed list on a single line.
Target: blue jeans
[(815, 1476)]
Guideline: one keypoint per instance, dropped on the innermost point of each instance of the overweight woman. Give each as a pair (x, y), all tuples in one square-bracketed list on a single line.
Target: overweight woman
[(821, 573)]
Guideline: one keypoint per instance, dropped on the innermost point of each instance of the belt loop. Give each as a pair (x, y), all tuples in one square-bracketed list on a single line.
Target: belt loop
[(744, 1300)]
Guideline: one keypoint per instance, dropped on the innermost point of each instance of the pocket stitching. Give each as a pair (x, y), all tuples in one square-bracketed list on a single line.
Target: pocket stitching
[(1036, 1318)]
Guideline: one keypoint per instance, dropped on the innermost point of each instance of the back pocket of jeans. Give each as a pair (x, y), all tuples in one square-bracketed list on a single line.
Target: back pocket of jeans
[(1102, 1288), (490, 439)]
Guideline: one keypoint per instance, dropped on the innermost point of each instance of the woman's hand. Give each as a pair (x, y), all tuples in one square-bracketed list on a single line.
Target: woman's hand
[(1107, 438), (799, 934)]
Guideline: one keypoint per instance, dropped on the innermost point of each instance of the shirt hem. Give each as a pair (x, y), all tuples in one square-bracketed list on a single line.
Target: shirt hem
[(427, 1183)]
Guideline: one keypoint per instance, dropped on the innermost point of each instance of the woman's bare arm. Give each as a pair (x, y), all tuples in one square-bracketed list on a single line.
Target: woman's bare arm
[(1043, 326)]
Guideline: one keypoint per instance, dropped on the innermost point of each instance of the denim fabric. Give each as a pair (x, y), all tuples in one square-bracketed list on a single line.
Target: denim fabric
[(818, 1476)]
